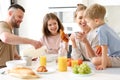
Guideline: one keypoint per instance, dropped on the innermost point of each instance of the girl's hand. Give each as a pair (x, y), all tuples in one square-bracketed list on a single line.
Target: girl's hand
[(64, 37)]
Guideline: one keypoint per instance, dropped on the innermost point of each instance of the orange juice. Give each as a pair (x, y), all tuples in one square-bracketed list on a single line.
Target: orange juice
[(74, 62), (42, 60), (62, 64)]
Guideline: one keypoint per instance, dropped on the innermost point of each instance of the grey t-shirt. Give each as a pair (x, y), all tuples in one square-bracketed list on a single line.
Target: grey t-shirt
[(80, 51)]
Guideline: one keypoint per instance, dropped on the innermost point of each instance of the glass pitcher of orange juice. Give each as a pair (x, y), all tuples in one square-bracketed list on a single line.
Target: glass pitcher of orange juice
[(62, 58)]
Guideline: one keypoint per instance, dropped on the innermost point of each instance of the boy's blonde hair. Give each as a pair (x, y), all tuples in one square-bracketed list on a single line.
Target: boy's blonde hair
[(95, 11)]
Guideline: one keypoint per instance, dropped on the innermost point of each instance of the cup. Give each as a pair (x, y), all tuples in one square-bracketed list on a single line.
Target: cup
[(42, 60), (74, 62), (62, 64), (28, 60)]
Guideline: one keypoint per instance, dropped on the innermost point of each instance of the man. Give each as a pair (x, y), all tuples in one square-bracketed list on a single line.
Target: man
[(8, 41)]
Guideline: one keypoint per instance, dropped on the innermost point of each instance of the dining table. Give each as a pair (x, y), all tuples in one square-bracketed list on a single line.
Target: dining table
[(54, 74)]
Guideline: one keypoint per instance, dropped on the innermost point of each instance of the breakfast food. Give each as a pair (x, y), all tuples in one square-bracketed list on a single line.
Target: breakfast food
[(63, 36), (42, 69), (84, 68), (70, 61), (22, 72)]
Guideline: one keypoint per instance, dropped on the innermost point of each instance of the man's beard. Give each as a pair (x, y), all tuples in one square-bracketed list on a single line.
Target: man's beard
[(14, 24)]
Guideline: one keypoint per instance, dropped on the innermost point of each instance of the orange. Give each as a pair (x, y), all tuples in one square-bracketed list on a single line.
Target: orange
[(98, 50), (80, 61), (69, 62)]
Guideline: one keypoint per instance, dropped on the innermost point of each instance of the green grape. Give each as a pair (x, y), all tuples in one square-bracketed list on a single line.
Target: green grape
[(84, 69), (75, 69)]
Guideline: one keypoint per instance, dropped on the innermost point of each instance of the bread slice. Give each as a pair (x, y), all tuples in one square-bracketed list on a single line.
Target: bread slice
[(23, 72)]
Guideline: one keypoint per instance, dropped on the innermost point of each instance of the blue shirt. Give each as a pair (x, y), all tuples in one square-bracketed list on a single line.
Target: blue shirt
[(107, 36)]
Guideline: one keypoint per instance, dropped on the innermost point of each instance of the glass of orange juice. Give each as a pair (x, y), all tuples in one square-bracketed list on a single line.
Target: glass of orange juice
[(74, 62), (42, 60), (62, 64)]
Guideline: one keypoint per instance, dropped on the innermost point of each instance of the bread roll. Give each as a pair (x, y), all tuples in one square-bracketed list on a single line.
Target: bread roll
[(42, 69), (63, 36)]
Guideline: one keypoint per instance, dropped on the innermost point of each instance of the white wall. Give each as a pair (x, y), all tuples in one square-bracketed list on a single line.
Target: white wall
[(113, 17), (105, 2), (4, 4), (32, 23), (35, 10)]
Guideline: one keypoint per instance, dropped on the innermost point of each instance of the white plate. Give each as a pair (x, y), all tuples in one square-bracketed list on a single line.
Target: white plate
[(50, 70), (13, 63), (92, 73)]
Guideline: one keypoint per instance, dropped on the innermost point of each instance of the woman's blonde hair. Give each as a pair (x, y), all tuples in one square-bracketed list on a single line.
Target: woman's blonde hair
[(95, 11), (80, 7)]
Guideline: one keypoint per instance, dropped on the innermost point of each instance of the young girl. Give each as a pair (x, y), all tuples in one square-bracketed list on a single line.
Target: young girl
[(51, 33), (108, 39)]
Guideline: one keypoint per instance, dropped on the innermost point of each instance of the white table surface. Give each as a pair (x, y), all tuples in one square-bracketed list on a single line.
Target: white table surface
[(108, 74)]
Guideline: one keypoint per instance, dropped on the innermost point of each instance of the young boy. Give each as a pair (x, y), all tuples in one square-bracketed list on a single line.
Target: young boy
[(108, 39)]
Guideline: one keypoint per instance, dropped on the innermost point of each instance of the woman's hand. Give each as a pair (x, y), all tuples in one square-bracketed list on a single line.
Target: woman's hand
[(72, 37), (81, 36)]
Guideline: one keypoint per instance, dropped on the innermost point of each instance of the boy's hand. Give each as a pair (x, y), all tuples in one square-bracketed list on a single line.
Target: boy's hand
[(100, 67)]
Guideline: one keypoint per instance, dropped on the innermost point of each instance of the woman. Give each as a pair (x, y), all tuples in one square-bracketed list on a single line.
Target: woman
[(79, 49)]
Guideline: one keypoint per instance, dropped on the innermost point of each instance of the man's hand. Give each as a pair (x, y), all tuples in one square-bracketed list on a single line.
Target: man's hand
[(37, 44), (17, 57)]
